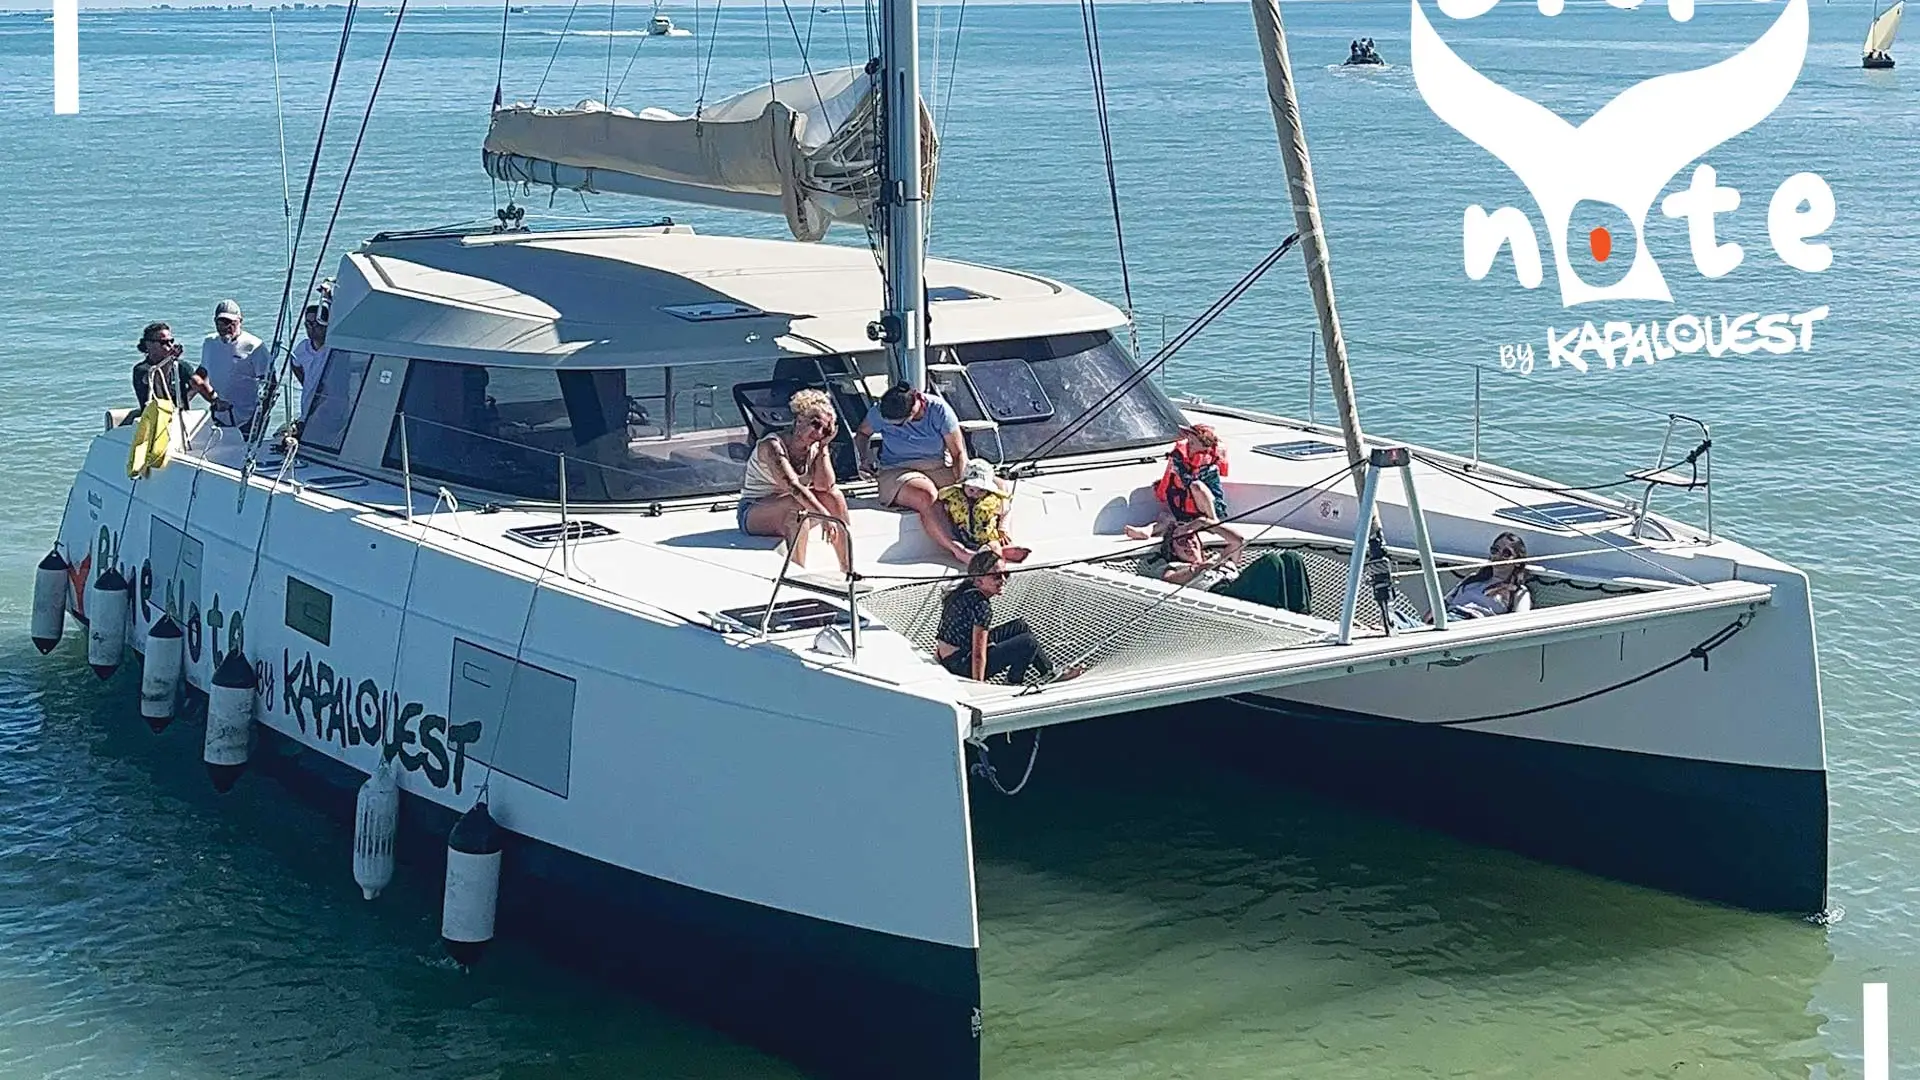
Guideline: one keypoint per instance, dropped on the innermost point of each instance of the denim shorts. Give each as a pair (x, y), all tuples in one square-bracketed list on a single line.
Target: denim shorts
[(740, 513)]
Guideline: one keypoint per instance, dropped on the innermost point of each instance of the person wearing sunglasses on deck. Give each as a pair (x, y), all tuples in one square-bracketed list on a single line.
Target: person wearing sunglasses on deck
[(970, 646), (1497, 589), (790, 473)]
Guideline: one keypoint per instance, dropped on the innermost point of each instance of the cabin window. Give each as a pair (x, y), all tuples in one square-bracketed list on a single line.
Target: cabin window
[(628, 434), (331, 403), (1035, 387)]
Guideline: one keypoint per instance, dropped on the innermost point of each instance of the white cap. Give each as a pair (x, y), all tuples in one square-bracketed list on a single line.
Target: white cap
[(979, 476)]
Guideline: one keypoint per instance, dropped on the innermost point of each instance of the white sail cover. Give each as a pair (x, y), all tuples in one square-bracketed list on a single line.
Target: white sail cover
[(1880, 34), (804, 147)]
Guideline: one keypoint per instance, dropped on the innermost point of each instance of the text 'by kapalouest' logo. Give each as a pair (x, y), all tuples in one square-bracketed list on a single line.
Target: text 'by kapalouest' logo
[(1624, 156)]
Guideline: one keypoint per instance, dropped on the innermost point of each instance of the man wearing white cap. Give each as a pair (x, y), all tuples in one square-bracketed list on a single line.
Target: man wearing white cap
[(237, 365)]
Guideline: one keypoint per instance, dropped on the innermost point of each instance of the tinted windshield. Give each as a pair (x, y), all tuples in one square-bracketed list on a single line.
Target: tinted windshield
[(1035, 387), (629, 435)]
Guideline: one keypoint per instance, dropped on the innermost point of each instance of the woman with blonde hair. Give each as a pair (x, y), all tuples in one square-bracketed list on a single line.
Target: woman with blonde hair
[(789, 473)]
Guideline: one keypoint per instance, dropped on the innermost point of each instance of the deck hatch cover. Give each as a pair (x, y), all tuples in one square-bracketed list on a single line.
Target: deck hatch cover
[(1299, 450), (807, 614), (335, 481), (549, 534), (954, 292), (712, 312), (1557, 515)]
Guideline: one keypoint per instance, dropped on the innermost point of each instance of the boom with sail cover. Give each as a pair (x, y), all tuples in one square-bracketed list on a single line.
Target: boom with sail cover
[(805, 147), (1878, 50)]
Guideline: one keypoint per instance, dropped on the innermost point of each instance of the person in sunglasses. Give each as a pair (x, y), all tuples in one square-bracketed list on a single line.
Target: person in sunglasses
[(1499, 588), (790, 473), (160, 368), (970, 646)]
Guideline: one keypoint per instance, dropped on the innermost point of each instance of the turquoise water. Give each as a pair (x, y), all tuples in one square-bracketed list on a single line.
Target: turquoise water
[(1153, 926)]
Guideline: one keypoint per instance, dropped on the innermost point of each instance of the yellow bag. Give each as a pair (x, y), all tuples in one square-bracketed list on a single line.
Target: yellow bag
[(151, 436)]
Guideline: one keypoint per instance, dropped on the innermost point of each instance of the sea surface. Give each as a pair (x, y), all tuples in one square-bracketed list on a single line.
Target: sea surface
[(1153, 926)]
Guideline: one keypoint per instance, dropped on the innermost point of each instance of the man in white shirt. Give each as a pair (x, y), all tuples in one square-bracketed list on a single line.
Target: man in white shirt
[(237, 365), (309, 361)]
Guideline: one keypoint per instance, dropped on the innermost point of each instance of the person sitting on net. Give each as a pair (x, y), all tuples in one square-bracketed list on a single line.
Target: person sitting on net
[(970, 646), (977, 508), (1276, 579), (1496, 589), (1190, 489), (788, 473)]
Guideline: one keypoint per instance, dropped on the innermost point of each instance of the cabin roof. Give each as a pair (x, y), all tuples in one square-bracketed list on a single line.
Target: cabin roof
[(662, 295)]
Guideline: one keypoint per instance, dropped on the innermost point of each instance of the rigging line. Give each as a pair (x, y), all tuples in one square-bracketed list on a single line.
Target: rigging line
[(806, 62), (1113, 395), (1699, 652), (1625, 549), (280, 117), (562, 40), (846, 31), (1136, 617), (706, 70), (1134, 552), (500, 71), (359, 140), (313, 172), (606, 88), (1570, 489), (1090, 27), (631, 60)]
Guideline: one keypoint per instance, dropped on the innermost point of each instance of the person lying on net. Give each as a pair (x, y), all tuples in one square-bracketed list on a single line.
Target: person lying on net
[(1277, 579)]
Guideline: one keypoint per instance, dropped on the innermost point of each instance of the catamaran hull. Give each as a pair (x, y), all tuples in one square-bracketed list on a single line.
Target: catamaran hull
[(837, 1000), (1707, 779), (792, 867)]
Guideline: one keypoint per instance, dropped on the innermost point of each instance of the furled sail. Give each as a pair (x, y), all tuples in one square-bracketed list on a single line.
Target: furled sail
[(806, 147), (1880, 34)]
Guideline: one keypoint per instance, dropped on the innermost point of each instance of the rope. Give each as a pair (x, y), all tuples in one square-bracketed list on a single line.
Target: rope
[(1570, 489), (1699, 652), (1625, 549), (984, 767), (1085, 655), (306, 196), (1165, 353), (1090, 29), (500, 71), (1025, 568), (562, 40)]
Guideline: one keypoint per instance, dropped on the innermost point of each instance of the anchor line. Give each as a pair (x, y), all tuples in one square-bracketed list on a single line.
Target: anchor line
[(985, 770), (1699, 652)]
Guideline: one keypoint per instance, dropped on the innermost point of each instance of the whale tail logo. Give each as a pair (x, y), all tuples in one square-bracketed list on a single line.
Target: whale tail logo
[(1623, 155)]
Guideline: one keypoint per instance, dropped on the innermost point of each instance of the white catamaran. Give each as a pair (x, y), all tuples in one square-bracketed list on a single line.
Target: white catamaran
[(500, 583)]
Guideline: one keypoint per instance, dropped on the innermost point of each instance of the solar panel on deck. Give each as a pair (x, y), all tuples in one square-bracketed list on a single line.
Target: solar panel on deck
[(1557, 515)]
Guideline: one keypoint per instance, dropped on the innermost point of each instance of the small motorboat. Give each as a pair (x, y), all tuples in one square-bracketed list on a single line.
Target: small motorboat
[(1361, 53), (661, 26)]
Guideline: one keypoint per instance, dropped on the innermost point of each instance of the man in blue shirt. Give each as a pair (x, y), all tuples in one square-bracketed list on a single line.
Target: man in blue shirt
[(921, 451)]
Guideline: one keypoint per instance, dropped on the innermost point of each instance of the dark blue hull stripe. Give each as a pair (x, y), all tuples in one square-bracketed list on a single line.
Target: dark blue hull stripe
[(836, 1000), (1742, 835)]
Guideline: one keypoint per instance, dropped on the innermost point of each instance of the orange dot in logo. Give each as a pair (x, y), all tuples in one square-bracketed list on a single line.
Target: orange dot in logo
[(1600, 241)]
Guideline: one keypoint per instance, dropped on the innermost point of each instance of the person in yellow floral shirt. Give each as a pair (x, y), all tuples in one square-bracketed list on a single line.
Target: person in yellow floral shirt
[(977, 508)]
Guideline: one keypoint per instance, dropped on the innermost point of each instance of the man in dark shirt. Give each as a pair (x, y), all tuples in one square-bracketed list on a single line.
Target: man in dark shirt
[(160, 365)]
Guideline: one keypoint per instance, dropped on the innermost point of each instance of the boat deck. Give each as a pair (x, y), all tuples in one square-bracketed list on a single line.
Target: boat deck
[(1142, 642)]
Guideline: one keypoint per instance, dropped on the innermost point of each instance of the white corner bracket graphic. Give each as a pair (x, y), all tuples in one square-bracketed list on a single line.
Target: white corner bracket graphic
[(66, 57), (1623, 155)]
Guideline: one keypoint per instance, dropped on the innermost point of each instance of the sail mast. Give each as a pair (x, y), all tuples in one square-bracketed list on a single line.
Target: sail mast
[(1306, 216), (903, 198)]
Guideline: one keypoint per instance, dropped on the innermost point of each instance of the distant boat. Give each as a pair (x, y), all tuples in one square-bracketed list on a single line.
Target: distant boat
[(1362, 54), (661, 26), (1877, 52), (518, 10)]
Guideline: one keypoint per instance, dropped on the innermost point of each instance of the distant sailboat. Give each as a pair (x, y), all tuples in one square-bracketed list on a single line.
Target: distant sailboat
[(1877, 52)]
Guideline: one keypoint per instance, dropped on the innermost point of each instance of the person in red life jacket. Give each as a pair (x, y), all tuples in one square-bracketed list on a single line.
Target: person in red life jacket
[(1190, 489)]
